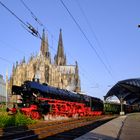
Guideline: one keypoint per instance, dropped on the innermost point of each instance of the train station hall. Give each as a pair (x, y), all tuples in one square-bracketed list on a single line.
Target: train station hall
[(125, 126), (126, 90)]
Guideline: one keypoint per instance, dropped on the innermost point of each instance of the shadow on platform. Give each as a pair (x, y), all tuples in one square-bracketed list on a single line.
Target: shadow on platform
[(77, 132)]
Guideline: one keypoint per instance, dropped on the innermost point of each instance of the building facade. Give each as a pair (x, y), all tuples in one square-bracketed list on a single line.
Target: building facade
[(2, 89), (40, 66)]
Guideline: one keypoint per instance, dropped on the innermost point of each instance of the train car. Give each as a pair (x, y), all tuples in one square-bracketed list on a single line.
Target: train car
[(37, 100), (115, 108), (112, 108)]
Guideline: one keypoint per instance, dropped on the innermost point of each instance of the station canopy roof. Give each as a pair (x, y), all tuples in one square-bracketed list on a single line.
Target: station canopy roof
[(126, 90)]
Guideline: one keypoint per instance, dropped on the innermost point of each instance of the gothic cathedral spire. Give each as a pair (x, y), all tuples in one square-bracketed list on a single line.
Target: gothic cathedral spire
[(60, 58), (44, 46)]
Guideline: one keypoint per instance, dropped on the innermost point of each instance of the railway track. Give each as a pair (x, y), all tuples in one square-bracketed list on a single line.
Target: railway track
[(59, 130)]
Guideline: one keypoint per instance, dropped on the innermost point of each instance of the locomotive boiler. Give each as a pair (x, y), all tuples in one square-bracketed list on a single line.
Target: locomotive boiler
[(37, 100)]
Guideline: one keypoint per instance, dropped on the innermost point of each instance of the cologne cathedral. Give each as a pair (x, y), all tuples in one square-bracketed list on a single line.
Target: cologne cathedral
[(40, 66)]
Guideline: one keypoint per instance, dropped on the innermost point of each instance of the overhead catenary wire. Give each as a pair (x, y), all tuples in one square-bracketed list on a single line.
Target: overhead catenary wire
[(31, 30), (12, 47), (95, 36), (93, 32), (29, 27), (36, 18), (38, 21), (33, 15), (6, 60), (13, 14), (89, 42)]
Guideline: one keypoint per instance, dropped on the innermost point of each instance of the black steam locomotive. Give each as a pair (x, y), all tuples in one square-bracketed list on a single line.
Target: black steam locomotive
[(37, 100)]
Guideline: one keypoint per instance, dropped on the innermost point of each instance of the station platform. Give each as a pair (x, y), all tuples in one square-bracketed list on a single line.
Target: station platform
[(125, 127)]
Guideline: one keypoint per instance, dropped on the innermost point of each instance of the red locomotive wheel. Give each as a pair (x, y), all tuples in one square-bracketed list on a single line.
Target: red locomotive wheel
[(35, 115), (28, 114)]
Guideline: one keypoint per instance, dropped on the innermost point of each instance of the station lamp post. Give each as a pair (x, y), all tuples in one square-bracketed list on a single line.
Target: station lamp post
[(121, 103)]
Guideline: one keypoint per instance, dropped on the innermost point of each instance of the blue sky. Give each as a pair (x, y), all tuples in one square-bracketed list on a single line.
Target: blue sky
[(110, 26)]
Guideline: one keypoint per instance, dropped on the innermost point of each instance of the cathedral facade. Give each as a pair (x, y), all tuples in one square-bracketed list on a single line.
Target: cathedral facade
[(40, 66)]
